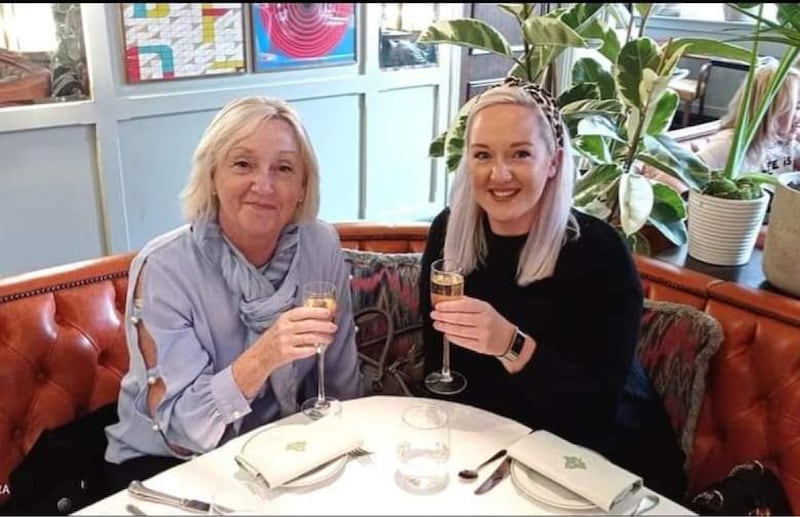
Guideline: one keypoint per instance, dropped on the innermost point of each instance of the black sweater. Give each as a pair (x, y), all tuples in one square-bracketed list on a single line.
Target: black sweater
[(583, 382)]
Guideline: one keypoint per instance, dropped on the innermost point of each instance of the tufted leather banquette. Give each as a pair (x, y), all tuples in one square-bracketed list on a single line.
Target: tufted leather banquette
[(62, 353)]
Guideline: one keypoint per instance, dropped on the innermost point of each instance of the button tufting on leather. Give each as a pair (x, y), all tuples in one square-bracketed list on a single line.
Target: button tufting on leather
[(41, 376), (17, 433)]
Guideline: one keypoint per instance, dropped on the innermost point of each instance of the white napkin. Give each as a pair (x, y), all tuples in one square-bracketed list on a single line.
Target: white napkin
[(284, 452), (576, 468)]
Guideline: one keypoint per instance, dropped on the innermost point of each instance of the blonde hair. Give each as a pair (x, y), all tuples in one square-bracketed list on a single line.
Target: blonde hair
[(234, 122), (781, 104), (465, 240)]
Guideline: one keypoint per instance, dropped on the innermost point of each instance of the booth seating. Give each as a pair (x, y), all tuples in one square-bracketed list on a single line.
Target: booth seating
[(63, 352)]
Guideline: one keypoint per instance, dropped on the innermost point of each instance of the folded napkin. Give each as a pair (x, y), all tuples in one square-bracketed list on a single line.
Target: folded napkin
[(576, 468), (285, 452)]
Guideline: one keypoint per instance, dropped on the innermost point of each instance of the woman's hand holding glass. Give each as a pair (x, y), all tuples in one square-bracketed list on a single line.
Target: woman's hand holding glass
[(473, 324), (296, 334)]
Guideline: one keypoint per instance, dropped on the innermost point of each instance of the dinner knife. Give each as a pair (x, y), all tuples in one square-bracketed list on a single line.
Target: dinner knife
[(500, 473), (138, 490)]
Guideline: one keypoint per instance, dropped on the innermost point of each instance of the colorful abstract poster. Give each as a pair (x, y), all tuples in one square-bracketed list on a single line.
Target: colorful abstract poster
[(303, 35), (172, 41)]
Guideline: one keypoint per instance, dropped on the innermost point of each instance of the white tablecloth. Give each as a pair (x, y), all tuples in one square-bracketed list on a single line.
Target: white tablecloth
[(368, 486)]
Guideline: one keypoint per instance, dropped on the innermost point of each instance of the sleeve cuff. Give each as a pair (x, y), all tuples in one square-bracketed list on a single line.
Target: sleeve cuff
[(227, 396)]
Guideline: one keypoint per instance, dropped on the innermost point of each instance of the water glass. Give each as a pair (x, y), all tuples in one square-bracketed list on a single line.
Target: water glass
[(423, 449)]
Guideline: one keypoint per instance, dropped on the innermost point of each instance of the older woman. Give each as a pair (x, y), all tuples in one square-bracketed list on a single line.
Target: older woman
[(218, 339), (546, 331)]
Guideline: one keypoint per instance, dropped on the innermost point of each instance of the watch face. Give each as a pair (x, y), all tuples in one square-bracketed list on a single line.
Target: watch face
[(519, 342)]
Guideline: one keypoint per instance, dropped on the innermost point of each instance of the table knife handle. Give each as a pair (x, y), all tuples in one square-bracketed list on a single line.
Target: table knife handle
[(137, 489)]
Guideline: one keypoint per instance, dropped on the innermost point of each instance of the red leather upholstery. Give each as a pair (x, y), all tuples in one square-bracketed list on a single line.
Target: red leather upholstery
[(62, 349), (751, 409), (62, 352)]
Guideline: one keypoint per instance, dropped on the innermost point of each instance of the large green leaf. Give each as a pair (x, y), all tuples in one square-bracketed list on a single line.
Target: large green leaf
[(436, 149), (594, 148), (709, 48), (636, 58), (663, 113), (667, 155), (643, 9), (468, 33), (675, 231), (591, 107), (595, 182), (515, 10), (579, 92), (540, 30), (600, 126), (610, 47), (588, 70), (579, 16), (668, 203), (635, 202)]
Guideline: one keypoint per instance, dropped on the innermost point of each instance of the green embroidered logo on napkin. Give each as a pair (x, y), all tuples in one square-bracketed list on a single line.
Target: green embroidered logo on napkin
[(574, 462), (296, 446)]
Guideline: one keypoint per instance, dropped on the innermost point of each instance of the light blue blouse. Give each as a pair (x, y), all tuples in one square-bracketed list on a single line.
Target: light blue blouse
[(194, 319)]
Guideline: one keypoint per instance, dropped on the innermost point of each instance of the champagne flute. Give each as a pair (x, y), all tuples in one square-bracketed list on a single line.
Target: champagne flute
[(447, 283), (320, 294)]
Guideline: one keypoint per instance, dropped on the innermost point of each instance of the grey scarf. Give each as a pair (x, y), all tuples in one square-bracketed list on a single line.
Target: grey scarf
[(263, 293)]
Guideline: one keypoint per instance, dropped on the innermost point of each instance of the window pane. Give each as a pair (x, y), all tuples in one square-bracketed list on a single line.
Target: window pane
[(401, 24), (42, 54)]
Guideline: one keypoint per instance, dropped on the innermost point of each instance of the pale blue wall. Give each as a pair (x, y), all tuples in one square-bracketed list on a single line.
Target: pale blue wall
[(84, 179)]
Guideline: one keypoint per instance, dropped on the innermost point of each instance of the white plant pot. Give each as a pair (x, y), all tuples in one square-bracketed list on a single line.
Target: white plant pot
[(781, 262), (723, 232)]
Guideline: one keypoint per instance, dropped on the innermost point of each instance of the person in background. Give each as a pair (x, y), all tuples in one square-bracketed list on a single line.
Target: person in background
[(774, 148), (218, 339), (546, 331)]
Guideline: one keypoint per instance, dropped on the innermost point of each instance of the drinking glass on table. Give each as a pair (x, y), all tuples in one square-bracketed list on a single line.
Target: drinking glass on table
[(320, 294), (423, 449), (447, 283)]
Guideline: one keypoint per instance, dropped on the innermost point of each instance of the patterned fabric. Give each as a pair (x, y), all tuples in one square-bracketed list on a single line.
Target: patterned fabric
[(676, 346), (388, 282), (545, 101)]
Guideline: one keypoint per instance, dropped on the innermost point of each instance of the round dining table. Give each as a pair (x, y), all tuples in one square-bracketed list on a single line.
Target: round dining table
[(369, 485)]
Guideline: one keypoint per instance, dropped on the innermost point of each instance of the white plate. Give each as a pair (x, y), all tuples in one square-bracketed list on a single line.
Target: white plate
[(545, 490), (318, 475)]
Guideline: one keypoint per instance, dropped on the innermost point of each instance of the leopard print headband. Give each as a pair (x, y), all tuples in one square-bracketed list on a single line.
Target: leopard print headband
[(545, 101)]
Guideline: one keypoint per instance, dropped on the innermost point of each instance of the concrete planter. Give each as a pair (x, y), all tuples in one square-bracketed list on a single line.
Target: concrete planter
[(781, 262), (723, 232)]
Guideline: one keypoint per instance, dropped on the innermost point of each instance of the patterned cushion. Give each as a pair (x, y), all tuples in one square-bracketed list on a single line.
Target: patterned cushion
[(388, 282), (676, 345)]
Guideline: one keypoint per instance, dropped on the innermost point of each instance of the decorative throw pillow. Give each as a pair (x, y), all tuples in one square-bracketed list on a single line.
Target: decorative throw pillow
[(676, 346), (388, 282)]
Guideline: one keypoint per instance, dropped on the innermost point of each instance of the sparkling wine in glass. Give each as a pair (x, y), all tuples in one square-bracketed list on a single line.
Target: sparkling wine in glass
[(320, 294), (447, 283)]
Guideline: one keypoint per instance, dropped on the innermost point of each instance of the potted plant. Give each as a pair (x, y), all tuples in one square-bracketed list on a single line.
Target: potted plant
[(780, 263), (727, 211), (618, 108)]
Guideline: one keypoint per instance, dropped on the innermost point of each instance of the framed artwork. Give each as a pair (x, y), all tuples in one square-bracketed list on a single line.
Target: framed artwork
[(303, 35), (173, 41)]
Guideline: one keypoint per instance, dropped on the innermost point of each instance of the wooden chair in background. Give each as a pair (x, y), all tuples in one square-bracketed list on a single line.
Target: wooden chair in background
[(692, 89)]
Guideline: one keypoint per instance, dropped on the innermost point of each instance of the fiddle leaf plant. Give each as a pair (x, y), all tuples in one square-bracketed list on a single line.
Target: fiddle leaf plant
[(617, 144), (545, 37)]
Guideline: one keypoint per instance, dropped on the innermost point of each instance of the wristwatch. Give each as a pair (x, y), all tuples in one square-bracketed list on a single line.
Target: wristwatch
[(515, 347)]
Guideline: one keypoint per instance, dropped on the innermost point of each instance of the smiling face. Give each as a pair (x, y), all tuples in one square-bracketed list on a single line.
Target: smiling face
[(509, 165), (259, 183)]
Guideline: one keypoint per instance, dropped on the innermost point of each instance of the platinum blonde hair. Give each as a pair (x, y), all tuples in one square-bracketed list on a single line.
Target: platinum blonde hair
[(465, 240), (781, 104), (236, 121)]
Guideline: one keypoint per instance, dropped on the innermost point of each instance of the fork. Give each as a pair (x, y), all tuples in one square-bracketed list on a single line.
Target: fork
[(358, 452)]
